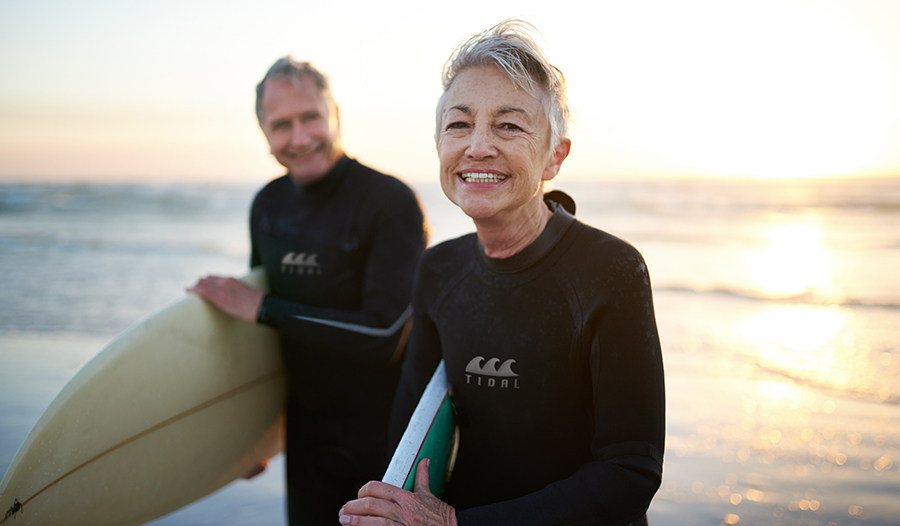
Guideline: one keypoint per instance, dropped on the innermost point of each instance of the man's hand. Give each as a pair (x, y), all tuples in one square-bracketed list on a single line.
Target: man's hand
[(230, 295), (380, 504), (256, 470)]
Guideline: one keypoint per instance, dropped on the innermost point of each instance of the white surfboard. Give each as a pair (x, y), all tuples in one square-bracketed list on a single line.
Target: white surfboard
[(431, 433), (176, 407)]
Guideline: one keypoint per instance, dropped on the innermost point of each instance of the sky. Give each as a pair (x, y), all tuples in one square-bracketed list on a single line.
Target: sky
[(164, 90)]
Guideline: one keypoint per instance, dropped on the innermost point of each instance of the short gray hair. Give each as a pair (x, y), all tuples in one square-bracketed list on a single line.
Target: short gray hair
[(510, 47), (286, 68)]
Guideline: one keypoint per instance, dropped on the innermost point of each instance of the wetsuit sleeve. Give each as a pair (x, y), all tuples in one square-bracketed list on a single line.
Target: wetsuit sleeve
[(255, 257), (421, 360), (255, 260), (629, 422), (371, 334)]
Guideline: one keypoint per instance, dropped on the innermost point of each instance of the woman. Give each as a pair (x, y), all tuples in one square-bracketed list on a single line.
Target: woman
[(545, 324)]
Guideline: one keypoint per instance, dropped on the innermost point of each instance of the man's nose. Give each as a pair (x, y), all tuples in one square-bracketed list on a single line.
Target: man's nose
[(299, 134)]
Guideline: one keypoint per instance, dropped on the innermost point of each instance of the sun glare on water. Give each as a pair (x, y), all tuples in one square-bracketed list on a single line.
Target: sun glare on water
[(801, 329), (809, 341), (793, 263), (822, 345)]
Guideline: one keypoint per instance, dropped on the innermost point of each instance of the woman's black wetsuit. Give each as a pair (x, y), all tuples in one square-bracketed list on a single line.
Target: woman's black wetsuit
[(556, 375)]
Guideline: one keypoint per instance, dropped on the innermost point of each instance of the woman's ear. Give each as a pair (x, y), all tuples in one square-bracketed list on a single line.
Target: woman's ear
[(557, 157)]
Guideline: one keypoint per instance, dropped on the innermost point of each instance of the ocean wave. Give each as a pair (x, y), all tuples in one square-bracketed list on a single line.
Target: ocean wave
[(168, 198), (796, 299), (20, 244)]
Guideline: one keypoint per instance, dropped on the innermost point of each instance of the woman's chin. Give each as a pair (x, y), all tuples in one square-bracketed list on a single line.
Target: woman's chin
[(478, 209)]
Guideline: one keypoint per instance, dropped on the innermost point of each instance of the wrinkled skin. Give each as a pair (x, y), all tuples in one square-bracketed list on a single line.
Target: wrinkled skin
[(380, 504)]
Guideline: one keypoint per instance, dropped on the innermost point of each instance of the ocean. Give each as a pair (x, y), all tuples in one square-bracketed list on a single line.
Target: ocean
[(778, 305)]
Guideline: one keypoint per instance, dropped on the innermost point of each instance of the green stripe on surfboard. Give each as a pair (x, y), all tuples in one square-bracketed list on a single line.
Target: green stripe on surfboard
[(431, 433)]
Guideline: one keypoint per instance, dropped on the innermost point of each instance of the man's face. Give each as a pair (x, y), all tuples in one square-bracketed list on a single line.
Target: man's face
[(302, 128)]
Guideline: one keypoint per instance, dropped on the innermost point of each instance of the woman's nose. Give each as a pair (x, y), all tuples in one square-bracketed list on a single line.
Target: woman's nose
[(481, 143)]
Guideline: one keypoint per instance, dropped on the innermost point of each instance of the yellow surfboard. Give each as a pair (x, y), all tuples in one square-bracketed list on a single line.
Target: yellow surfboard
[(176, 407)]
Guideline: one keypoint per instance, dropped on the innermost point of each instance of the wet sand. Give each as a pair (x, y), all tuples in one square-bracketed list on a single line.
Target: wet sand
[(747, 445)]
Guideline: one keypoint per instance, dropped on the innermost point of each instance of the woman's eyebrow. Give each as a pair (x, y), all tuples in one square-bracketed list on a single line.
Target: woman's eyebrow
[(511, 109), (463, 108), (504, 110)]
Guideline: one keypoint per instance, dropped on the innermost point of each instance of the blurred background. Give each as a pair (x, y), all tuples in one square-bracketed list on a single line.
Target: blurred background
[(750, 150)]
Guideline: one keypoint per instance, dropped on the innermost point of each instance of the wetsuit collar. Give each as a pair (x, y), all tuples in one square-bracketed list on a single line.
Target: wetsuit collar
[(557, 225), (328, 183)]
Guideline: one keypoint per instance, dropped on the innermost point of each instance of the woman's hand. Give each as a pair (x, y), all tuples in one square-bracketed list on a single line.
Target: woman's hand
[(380, 504)]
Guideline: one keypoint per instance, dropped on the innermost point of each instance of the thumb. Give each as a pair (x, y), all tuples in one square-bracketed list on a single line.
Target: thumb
[(421, 485)]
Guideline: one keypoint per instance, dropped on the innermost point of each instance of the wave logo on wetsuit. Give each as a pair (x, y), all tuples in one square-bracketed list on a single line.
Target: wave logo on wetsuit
[(487, 374), (301, 264)]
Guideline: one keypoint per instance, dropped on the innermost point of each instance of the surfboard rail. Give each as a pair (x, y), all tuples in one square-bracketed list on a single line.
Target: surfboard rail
[(431, 433)]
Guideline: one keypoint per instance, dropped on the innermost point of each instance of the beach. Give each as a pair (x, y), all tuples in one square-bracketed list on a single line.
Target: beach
[(778, 308)]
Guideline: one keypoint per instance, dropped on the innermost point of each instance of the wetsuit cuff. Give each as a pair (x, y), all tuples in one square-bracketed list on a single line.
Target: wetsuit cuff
[(262, 314)]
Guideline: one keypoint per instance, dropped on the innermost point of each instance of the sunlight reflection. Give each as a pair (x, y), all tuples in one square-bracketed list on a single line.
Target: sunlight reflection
[(809, 343), (793, 263), (799, 328), (780, 390)]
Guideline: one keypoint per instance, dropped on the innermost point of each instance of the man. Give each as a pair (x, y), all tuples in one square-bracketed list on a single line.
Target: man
[(339, 243)]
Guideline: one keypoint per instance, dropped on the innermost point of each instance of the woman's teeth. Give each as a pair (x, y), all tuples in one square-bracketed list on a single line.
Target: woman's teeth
[(482, 178)]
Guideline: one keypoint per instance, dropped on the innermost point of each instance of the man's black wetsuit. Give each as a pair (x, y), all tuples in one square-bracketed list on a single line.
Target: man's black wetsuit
[(556, 375), (339, 255)]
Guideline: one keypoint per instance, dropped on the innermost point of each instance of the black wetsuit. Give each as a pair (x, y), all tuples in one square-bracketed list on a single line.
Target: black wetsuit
[(340, 256), (556, 374)]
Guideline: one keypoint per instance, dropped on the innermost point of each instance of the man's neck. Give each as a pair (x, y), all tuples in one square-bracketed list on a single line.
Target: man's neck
[(309, 181)]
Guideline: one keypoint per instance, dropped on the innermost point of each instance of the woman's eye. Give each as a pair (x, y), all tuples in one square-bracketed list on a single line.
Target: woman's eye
[(457, 125), (510, 126)]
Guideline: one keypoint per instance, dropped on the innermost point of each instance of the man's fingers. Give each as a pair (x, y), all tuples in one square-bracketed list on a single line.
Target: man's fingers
[(205, 286), (256, 470), (230, 295), (422, 476)]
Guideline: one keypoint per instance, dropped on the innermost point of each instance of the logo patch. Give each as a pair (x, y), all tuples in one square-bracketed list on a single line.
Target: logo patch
[(301, 264), (489, 375)]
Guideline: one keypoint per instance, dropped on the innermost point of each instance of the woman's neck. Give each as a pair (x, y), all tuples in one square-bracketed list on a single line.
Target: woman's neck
[(507, 236)]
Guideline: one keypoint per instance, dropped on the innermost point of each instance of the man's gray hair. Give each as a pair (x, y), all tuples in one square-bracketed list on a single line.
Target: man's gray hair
[(286, 68), (510, 47)]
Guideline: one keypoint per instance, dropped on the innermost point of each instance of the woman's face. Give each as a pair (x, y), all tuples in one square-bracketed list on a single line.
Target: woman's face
[(494, 146)]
